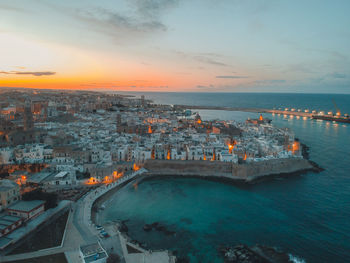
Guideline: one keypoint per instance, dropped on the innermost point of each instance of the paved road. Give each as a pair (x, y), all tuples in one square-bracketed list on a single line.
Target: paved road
[(80, 230)]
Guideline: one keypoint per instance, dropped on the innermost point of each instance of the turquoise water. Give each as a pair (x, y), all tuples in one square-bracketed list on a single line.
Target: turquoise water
[(307, 216)]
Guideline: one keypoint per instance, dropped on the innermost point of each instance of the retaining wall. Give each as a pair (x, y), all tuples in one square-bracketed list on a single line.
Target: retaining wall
[(246, 172)]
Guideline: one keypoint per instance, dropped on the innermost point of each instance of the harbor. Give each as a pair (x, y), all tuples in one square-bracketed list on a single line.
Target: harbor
[(304, 113)]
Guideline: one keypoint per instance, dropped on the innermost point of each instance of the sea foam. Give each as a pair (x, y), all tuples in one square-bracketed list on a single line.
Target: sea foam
[(296, 259)]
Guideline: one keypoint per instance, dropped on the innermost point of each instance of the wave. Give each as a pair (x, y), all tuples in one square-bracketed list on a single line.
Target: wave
[(296, 259)]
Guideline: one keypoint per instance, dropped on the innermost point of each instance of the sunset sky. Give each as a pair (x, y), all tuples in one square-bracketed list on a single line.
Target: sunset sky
[(176, 45)]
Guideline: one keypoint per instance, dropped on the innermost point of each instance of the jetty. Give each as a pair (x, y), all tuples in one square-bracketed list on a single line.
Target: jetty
[(256, 110)]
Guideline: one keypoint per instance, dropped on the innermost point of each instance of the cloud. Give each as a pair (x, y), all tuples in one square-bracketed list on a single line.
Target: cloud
[(207, 58), (205, 87), (143, 17), (301, 68), (338, 75), (270, 81), (4, 7), (114, 23), (232, 77), (138, 18), (34, 73), (154, 8)]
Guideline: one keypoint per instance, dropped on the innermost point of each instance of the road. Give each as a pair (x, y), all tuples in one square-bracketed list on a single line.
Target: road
[(79, 229)]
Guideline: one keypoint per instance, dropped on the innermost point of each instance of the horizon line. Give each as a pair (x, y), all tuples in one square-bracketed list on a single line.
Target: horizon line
[(203, 92)]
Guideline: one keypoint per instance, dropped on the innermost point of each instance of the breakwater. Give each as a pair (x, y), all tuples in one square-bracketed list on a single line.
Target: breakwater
[(257, 110), (246, 172)]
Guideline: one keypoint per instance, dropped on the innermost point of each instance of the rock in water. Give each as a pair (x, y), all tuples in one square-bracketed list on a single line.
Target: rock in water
[(147, 227), (255, 254)]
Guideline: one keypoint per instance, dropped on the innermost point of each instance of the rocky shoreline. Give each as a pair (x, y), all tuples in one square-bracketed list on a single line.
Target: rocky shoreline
[(158, 227), (237, 254), (255, 254)]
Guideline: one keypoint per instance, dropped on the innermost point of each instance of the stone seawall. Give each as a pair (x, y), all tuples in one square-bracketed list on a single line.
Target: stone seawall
[(244, 172)]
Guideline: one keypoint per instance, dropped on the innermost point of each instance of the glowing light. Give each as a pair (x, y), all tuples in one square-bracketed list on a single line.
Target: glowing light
[(245, 157), (107, 180), (168, 156), (117, 175), (149, 129), (136, 167), (230, 148), (91, 181), (261, 118), (294, 147), (153, 154)]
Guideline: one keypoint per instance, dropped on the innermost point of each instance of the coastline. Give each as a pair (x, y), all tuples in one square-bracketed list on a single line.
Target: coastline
[(225, 178), (231, 180), (148, 176), (96, 206), (245, 173)]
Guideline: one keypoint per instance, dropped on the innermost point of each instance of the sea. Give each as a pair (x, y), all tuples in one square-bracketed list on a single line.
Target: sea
[(306, 216)]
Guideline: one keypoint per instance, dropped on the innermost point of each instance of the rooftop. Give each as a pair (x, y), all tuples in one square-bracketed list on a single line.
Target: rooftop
[(6, 221), (26, 206), (91, 249), (38, 177), (95, 257), (6, 185)]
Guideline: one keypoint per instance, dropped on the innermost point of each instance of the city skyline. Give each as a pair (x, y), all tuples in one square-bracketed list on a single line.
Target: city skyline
[(176, 46)]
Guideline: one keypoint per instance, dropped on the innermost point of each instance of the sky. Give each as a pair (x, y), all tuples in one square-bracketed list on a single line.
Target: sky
[(176, 45)]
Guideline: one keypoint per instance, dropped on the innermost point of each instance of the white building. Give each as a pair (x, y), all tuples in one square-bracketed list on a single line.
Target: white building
[(93, 253), (63, 178), (27, 209), (6, 155)]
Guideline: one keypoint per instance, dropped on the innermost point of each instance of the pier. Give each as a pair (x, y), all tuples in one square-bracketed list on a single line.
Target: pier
[(294, 113), (327, 116), (257, 110)]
